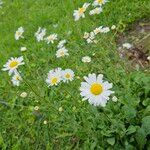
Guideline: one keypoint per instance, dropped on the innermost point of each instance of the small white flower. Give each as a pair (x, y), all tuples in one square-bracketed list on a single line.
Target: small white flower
[(16, 79), (127, 45), (23, 49), (97, 10), (92, 35), (51, 38), (113, 27), (23, 94), (114, 99), (62, 52), (105, 30), (19, 33), (80, 12), (54, 77), (86, 35), (86, 59), (97, 30), (12, 64), (99, 2), (148, 58), (61, 44), (67, 75), (40, 34), (96, 90)]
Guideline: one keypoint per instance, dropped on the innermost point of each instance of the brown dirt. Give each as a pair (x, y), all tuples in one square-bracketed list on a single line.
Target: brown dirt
[(139, 36)]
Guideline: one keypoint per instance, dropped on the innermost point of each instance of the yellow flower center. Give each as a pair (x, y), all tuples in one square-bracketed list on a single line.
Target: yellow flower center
[(96, 88), (54, 80), (62, 53), (13, 64), (18, 33), (68, 75), (100, 1), (81, 10), (17, 78)]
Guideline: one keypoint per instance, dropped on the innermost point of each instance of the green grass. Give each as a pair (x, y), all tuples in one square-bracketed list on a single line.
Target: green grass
[(79, 125)]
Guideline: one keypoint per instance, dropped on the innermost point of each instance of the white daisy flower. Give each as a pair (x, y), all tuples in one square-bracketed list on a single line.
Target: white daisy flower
[(127, 45), (92, 35), (12, 64), (86, 59), (54, 77), (99, 2), (16, 79), (97, 30), (51, 38), (86, 35), (113, 27), (61, 44), (62, 52), (23, 49), (80, 12), (19, 33), (67, 75), (97, 10), (105, 29), (95, 90), (40, 34)]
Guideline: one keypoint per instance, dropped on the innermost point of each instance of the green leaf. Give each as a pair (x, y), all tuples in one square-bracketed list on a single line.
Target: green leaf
[(131, 130), (141, 138), (146, 124), (111, 141)]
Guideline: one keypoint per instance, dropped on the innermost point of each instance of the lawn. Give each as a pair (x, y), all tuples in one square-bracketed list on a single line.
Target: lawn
[(57, 117)]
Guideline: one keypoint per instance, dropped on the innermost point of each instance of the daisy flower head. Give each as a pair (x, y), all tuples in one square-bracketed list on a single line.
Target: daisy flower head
[(67, 75), (54, 77), (97, 10), (19, 33), (86, 59), (62, 52), (51, 38), (40, 34), (80, 12), (12, 64), (23, 49), (61, 44), (96, 90), (105, 29), (99, 2), (16, 78)]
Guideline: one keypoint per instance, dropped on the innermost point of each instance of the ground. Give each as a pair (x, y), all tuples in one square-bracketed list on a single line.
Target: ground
[(71, 122)]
